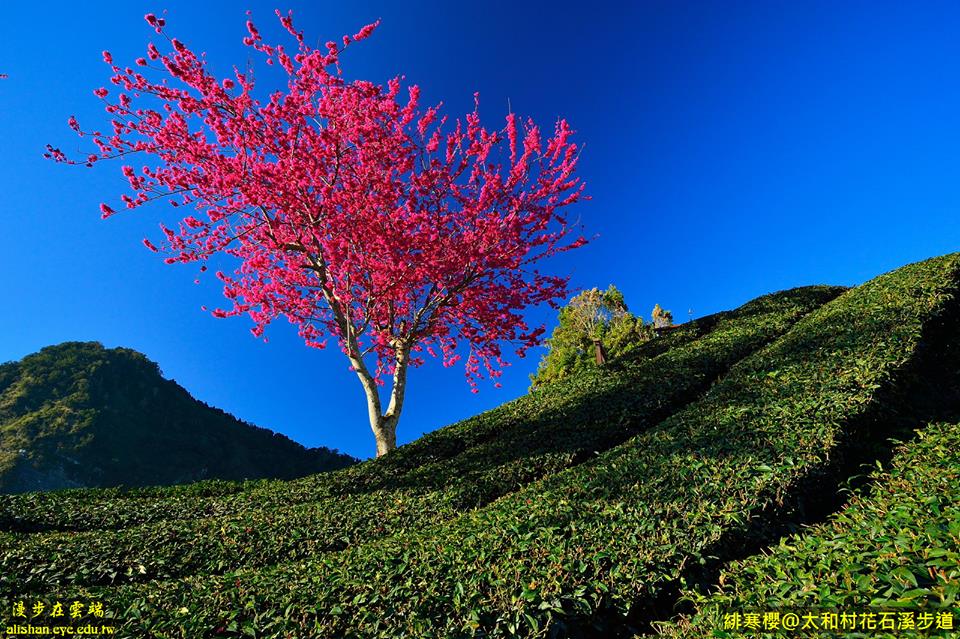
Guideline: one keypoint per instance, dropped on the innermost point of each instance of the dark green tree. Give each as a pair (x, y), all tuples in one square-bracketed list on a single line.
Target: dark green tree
[(594, 328)]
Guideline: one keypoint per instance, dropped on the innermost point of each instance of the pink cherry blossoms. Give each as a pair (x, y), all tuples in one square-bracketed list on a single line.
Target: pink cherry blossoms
[(350, 210)]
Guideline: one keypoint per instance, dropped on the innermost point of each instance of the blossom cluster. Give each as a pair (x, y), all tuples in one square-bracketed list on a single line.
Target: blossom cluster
[(351, 211)]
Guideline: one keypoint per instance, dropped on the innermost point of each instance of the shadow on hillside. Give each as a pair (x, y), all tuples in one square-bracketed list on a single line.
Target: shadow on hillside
[(925, 389)]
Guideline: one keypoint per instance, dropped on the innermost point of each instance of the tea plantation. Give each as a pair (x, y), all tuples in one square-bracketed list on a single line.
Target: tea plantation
[(894, 547), (639, 499)]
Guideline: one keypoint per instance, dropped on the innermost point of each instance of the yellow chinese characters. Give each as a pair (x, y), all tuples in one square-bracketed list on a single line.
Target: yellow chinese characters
[(838, 621)]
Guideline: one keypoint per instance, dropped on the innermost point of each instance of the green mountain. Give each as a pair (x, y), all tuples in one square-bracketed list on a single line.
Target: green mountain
[(799, 452), (80, 415)]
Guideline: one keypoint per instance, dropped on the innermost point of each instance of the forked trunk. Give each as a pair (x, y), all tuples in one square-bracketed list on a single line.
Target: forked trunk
[(384, 424)]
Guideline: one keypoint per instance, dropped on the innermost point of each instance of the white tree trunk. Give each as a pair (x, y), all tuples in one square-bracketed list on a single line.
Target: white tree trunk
[(384, 424)]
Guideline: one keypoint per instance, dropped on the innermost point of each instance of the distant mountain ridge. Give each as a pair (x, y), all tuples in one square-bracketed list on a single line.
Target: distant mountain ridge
[(81, 415)]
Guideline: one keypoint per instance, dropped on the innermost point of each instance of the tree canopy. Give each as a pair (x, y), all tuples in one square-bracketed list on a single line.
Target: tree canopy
[(661, 318), (593, 329), (349, 210)]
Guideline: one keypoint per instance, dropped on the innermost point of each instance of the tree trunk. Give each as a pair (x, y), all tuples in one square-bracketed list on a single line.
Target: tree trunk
[(600, 352), (384, 424), (385, 432)]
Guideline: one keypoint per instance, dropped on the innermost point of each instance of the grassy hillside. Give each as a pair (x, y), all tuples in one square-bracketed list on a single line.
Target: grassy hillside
[(590, 508), (78, 414)]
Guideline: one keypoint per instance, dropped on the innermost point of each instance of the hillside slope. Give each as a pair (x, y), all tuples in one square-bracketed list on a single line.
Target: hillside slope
[(600, 409), (78, 414), (894, 547), (591, 508)]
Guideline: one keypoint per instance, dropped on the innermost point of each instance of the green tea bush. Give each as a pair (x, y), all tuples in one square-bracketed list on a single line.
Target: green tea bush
[(895, 546), (600, 543)]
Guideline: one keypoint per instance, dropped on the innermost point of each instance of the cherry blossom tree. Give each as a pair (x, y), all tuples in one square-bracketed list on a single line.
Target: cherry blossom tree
[(347, 208)]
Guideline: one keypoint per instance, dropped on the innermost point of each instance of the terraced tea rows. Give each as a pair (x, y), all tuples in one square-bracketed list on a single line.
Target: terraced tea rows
[(592, 541), (576, 510), (894, 547)]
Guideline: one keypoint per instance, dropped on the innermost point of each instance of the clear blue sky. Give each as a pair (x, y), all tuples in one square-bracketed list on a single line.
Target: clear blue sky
[(732, 149)]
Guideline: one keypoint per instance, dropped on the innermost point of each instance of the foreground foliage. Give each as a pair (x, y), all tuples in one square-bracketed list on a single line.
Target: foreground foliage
[(895, 546), (585, 545), (581, 508)]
